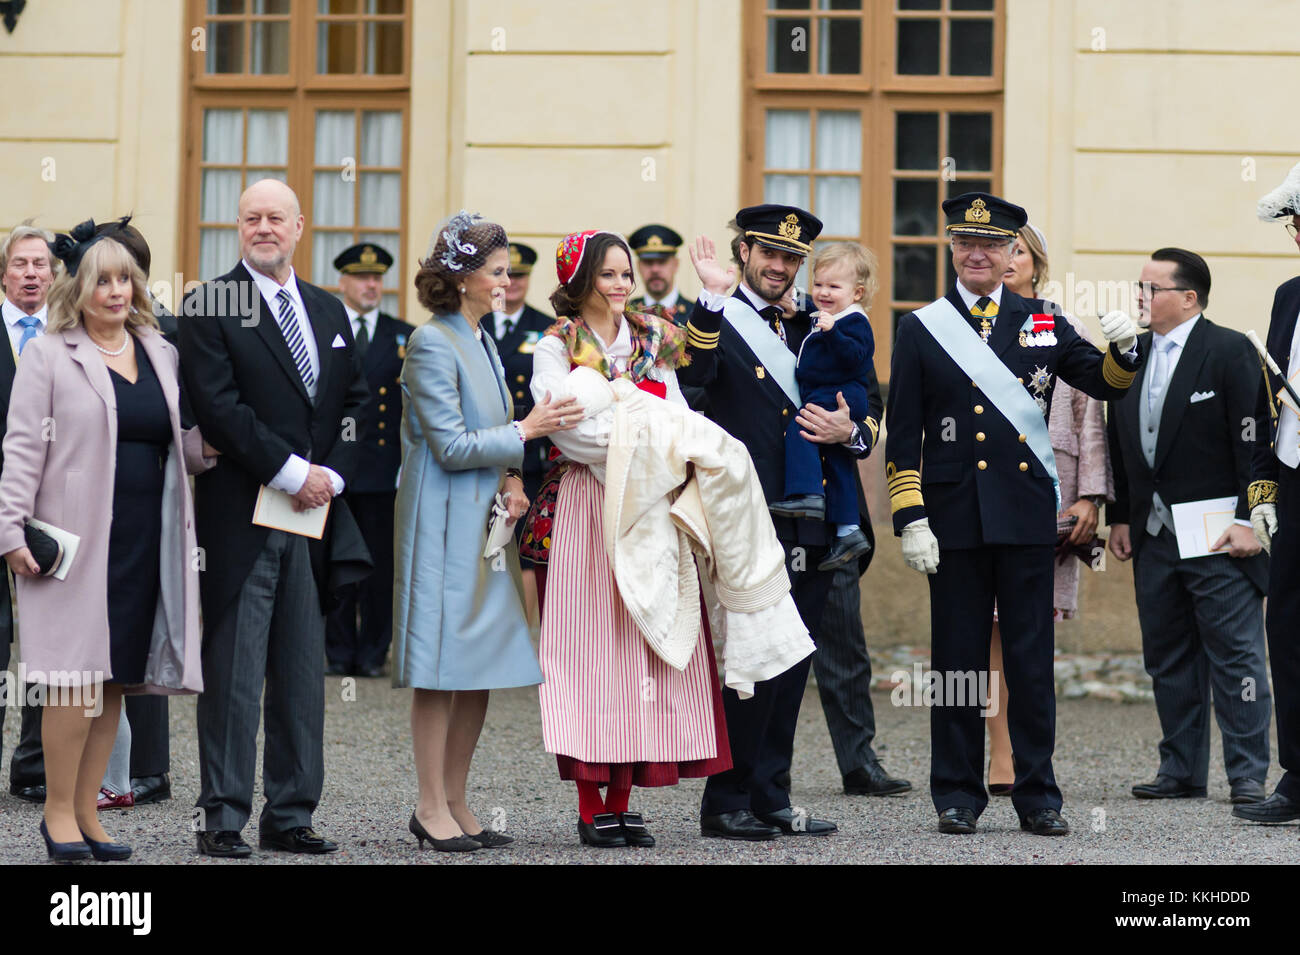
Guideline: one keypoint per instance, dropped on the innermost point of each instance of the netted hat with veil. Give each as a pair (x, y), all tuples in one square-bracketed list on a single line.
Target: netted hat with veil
[(462, 243)]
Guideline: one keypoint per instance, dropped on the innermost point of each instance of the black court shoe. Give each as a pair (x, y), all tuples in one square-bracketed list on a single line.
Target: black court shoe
[(64, 851), (107, 851), (634, 831), (460, 843), (603, 832)]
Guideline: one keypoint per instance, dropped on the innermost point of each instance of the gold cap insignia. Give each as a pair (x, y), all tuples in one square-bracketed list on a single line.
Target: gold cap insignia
[(654, 242), (515, 257), (789, 228), (368, 256), (977, 213)]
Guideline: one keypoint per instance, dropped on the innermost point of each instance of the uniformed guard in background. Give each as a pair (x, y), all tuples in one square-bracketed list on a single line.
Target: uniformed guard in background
[(974, 494), (517, 328), (656, 248), (351, 647)]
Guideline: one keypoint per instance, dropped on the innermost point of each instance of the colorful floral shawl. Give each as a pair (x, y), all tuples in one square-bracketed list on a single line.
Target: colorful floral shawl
[(656, 342)]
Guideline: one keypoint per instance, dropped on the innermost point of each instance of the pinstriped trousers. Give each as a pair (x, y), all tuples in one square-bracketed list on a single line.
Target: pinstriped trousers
[(843, 671), (1203, 628)]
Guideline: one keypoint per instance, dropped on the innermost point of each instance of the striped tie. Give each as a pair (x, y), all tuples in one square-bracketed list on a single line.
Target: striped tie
[(293, 338)]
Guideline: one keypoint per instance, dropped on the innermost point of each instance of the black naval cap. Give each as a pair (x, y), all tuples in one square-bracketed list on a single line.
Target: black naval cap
[(787, 228), (978, 213), (654, 242), (522, 258), (364, 258)]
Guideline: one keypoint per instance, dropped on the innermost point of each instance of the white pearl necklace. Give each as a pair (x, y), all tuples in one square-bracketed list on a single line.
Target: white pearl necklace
[(126, 339)]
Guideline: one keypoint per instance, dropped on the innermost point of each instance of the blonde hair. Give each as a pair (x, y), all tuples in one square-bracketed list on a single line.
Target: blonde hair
[(1037, 248), (70, 293), (861, 262), (27, 231)]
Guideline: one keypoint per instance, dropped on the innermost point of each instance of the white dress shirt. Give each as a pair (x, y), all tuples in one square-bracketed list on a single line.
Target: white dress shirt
[(499, 321), (969, 298), (13, 314), (669, 301), (1287, 445), (293, 474)]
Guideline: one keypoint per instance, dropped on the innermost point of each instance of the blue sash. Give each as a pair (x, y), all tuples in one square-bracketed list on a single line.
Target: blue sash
[(955, 336), (765, 344)]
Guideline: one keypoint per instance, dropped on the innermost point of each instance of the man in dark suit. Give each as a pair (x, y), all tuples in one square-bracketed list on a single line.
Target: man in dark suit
[(352, 648), (1186, 432), (276, 386), (742, 356), (27, 268), (1275, 513), (974, 494)]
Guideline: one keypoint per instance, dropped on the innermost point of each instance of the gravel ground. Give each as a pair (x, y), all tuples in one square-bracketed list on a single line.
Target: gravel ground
[(1102, 749)]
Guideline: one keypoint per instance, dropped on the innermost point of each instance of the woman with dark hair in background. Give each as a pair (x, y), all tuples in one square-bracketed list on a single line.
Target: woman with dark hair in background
[(458, 618)]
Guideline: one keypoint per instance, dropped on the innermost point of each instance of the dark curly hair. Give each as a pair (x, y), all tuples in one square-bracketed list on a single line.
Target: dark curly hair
[(436, 285), (567, 300)]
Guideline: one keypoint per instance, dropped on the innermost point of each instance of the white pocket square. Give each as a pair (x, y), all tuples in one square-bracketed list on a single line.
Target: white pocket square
[(1201, 396), (338, 342)]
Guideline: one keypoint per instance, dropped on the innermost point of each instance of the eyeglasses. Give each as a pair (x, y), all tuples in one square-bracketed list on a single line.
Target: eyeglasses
[(972, 245), (1290, 228), (1150, 290)]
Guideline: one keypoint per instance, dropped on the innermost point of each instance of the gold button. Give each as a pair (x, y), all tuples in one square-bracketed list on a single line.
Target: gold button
[(1021, 438), (381, 426), (1021, 380), (1024, 466), (383, 390), (785, 412), (973, 385), (982, 465), (519, 394), (381, 442), (519, 378), (823, 482), (979, 436), (979, 409), (383, 407)]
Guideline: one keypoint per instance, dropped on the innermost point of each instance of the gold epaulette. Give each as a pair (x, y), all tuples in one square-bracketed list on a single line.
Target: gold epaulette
[(698, 339), (1261, 492), (872, 425), (1114, 373), (904, 488)]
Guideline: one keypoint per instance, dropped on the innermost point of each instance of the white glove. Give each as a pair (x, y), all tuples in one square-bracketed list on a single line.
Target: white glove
[(920, 547), (1117, 327), (1263, 517)]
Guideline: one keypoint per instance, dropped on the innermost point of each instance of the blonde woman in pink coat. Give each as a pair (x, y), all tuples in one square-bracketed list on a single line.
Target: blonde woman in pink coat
[(94, 447), (1077, 426)]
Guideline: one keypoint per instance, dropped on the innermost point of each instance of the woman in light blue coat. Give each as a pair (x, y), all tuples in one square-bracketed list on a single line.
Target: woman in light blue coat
[(459, 628)]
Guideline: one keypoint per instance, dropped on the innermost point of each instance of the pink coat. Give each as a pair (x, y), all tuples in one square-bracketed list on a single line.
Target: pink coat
[(59, 460)]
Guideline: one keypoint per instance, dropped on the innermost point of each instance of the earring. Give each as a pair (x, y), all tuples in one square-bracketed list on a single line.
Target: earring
[(462, 290)]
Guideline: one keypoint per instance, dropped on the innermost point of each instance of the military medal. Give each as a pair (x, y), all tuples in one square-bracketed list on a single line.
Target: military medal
[(760, 371), (1040, 380), (401, 347)]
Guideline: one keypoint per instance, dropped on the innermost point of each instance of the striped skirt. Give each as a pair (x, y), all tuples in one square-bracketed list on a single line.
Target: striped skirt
[(612, 711)]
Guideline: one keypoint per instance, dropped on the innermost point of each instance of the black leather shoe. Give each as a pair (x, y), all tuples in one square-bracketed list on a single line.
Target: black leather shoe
[(739, 824), (1276, 808), (460, 843), (29, 793), (958, 821), (1044, 822), (297, 839), (224, 844), (634, 831), (1166, 787), (149, 789), (603, 832), (337, 669), (797, 823), (1247, 791), (491, 839), (845, 550), (874, 781), (805, 505)]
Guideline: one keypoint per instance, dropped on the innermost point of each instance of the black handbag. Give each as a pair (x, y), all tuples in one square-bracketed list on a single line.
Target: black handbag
[(46, 551)]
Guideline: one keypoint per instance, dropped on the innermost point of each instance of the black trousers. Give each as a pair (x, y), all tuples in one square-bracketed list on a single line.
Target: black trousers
[(366, 646), (843, 671), (1282, 623), (961, 624), (150, 755), (762, 728)]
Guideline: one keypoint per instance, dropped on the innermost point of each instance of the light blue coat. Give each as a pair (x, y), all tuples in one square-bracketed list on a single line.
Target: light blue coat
[(458, 619)]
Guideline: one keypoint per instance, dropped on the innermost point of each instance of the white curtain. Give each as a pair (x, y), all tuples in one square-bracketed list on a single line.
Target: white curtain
[(324, 247), (336, 140), (381, 138), (394, 279), (218, 253), (381, 199), (839, 140), (268, 137)]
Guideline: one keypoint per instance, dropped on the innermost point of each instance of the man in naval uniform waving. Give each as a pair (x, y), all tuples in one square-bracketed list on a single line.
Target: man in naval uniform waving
[(974, 494)]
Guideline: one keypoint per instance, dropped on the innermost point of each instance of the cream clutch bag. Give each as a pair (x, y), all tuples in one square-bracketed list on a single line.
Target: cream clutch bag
[(500, 528)]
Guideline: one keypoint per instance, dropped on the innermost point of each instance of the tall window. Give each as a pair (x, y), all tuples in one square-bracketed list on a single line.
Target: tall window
[(312, 92), (869, 113)]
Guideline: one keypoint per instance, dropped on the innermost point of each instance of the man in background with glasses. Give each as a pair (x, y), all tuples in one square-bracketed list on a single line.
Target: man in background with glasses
[(1186, 433)]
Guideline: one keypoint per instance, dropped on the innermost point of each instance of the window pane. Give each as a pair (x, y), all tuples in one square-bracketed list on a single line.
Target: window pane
[(959, 185), (325, 247), (787, 139), (336, 6), (839, 47), (381, 199), (381, 138), (914, 273), (225, 6), (268, 137), (787, 45), (219, 195), (787, 4), (949, 273), (916, 207), (278, 7), (385, 6), (916, 141), (839, 4), (839, 205), (336, 48), (970, 141), (383, 48), (918, 4), (970, 48), (223, 136), (787, 190), (331, 199), (225, 48), (218, 252), (252, 175), (918, 47), (970, 4), (270, 51), (336, 136), (839, 140)]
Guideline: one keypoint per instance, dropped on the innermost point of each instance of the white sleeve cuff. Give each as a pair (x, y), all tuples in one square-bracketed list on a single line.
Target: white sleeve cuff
[(292, 476), (1241, 523), (714, 302), (335, 480)]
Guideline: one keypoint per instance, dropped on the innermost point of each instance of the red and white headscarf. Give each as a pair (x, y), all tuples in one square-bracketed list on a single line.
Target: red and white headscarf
[(568, 254)]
